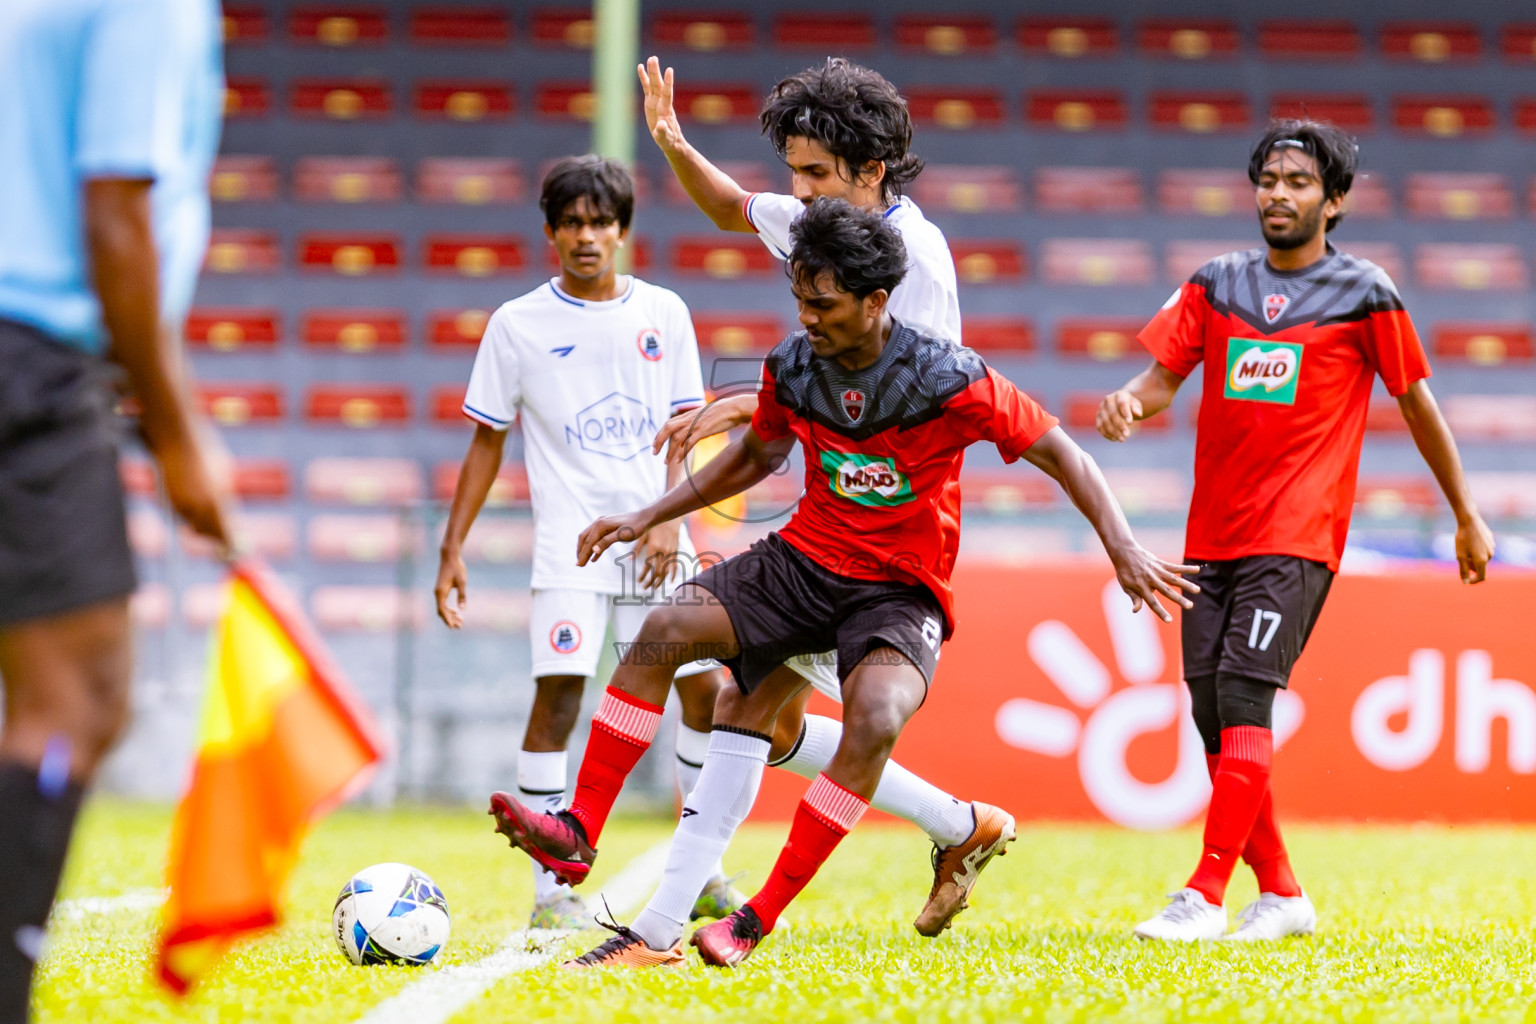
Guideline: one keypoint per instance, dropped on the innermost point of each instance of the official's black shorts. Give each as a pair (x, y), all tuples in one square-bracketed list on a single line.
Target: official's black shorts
[(1253, 616), (782, 605), (63, 528)]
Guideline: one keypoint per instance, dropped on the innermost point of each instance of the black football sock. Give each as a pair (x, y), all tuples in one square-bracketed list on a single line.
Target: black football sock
[(36, 819)]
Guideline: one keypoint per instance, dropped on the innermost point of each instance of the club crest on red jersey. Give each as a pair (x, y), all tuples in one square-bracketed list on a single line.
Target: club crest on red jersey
[(853, 404), (1274, 305)]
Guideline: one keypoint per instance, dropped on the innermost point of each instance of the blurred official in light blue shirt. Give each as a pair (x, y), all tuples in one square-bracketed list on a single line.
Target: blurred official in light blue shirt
[(102, 89)]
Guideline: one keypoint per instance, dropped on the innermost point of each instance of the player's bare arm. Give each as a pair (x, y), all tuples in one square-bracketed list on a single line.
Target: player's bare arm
[(1147, 394), (711, 189), (656, 554), (741, 465), (1142, 574), (1474, 541), (680, 433), (476, 476)]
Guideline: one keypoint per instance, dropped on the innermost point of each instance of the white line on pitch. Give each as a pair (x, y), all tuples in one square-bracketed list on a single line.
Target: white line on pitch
[(89, 906), (437, 997)]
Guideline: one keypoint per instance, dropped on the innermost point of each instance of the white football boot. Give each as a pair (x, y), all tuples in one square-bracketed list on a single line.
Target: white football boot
[(1272, 917), (1188, 917)]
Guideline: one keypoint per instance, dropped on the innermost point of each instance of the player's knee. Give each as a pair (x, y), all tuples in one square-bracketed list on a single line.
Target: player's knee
[(667, 636), (1202, 706), (105, 715), (1241, 700)]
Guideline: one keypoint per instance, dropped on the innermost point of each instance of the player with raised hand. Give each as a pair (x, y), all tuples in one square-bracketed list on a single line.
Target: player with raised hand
[(1291, 336), (862, 568), (844, 132), (589, 362)]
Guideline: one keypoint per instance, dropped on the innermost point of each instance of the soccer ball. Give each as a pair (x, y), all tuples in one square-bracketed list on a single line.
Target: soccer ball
[(390, 914)]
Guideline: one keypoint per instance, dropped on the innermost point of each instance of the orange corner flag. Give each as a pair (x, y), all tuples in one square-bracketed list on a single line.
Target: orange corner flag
[(281, 740)]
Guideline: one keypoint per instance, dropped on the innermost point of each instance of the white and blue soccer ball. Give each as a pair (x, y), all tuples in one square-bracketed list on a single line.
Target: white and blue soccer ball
[(391, 914)]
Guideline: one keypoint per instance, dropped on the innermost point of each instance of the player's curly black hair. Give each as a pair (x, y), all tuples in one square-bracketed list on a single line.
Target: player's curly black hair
[(1335, 151), (862, 250), (852, 111), (606, 183)]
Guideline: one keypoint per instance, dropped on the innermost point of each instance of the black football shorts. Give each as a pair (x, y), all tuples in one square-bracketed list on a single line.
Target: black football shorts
[(783, 605), (1252, 616), (63, 529)]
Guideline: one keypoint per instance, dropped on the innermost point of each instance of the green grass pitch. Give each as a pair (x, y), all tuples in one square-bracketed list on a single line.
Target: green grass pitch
[(1416, 924)]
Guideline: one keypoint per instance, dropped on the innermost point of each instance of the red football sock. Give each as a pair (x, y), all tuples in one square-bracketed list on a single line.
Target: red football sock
[(1238, 789), (622, 730), (826, 813), (1265, 852)]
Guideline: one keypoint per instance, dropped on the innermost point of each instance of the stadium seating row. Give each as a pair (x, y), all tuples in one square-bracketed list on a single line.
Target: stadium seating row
[(1066, 37), (953, 107), (730, 333)]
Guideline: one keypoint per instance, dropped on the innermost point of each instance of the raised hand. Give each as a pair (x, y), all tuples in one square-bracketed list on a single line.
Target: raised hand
[(660, 116), (1144, 576)]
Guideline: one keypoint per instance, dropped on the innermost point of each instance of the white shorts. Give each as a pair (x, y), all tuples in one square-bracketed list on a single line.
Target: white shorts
[(820, 670), (566, 630)]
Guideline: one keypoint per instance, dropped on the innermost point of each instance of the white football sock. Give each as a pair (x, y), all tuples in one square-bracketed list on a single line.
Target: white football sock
[(541, 785), (946, 820), (726, 790), (692, 748)]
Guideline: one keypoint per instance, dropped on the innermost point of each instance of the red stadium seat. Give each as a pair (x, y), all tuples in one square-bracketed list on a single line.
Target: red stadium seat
[(471, 181), (363, 609), (1350, 111), (138, 476), (238, 405), (446, 406), (1459, 196), (1149, 490), (246, 97), (1081, 408), (1384, 417), (1309, 40), (261, 479), (238, 179), (987, 262), (1007, 490), (346, 179), (201, 604), (270, 535), (340, 25), (1525, 116), (954, 107), (1088, 190), (567, 100), (1444, 117), (498, 611), (732, 334), (456, 328), (722, 257), (968, 189), (239, 251), (1369, 197), (340, 99), (244, 23), (1484, 344), (360, 406), (460, 26), (355, 538), (1492, 417), (348, 481), (1475, 267), (1501, 494), (354, 330), (510, 488), (349, 255), (945, 36), (1385, 255), (473, 255), (749, 174), (1096, 261), (147, 533), (1068, 37), (1199, 112), (824, 31), (1518, 43), (1183, 257), (500, 541), (226, 330), (703, 31), (718, 103), (1075, 110), (570, 27), (1187, 38), (1389, 497), (1206, 192), (1010, 335), (1431, 42), (465, 101), (1102, 339)]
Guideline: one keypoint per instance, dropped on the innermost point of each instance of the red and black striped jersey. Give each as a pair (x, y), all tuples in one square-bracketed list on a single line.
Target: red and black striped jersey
[(883, 448), (1289, 357)]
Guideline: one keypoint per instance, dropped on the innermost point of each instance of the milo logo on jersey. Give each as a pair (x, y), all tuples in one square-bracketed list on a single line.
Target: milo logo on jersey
[(1262, 371), (866, 479)]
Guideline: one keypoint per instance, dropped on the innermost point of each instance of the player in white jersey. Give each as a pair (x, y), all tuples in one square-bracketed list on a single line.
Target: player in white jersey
[(589, 363), (844, 131)]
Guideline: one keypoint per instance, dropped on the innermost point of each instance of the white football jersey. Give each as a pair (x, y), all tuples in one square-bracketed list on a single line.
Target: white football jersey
[(929, 296), (592, 382)]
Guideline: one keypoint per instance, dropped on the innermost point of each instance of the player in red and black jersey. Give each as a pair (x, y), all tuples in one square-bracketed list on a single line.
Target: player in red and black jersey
[(1291, 337), (884, 413)]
